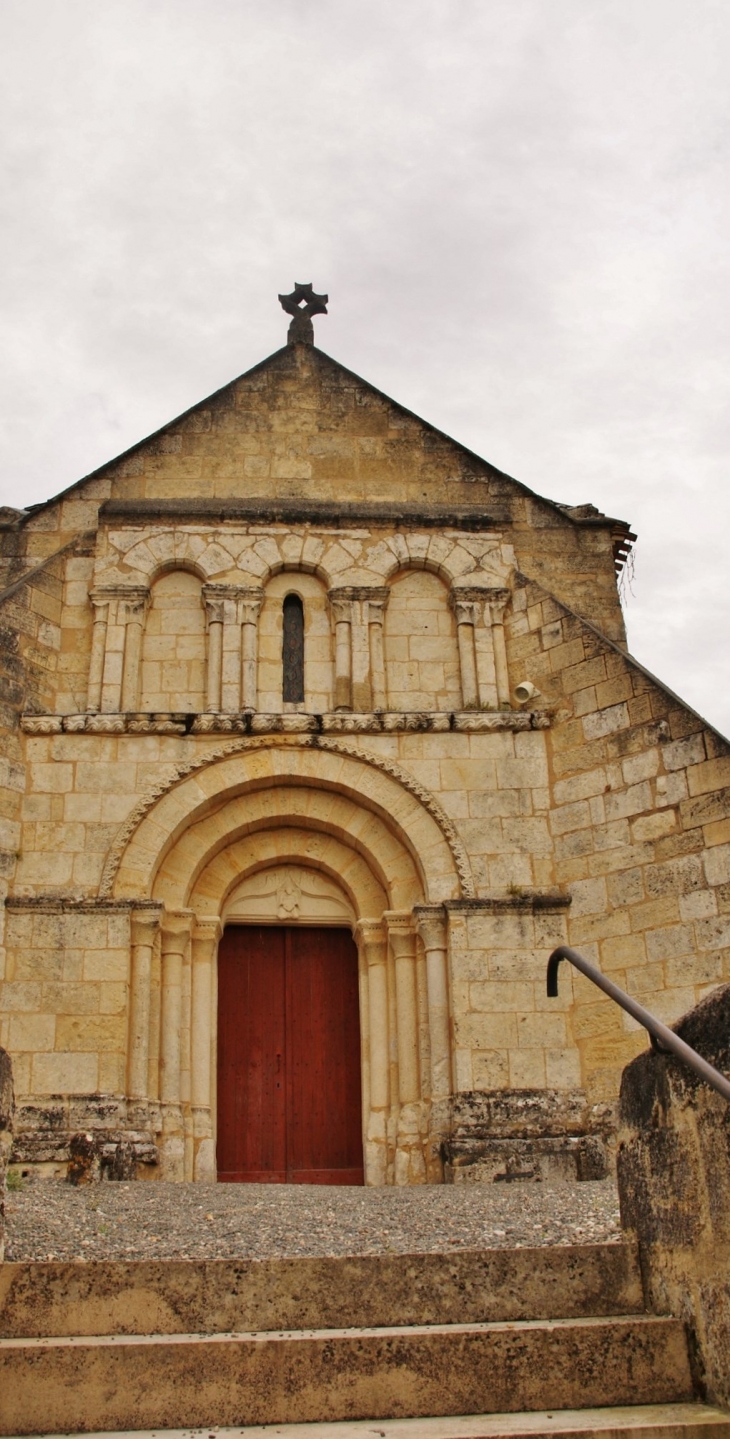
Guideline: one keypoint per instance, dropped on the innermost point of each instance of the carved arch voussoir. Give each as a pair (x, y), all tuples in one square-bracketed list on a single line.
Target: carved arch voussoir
[(173, 774), (258, 557)]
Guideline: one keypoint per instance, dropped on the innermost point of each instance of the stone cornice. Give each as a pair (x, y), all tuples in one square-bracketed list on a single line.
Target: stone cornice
[(252, 722), (75, 904), (530, 899), (329, 514)]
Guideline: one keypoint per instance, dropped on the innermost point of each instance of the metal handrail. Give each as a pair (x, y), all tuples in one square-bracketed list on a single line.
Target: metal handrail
[(662, 1039)]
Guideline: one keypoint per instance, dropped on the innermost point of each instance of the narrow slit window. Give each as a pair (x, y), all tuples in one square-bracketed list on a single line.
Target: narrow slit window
[(293, 650)]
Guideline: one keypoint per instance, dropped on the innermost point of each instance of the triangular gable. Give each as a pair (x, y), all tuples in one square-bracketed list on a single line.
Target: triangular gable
[(299, 423)]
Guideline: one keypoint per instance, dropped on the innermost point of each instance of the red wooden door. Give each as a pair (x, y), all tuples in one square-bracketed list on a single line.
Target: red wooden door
[(289, 1108)]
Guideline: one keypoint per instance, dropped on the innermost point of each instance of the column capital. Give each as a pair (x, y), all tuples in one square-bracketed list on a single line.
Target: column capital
[(250, 599), (401, 932), (467, 606), (489, 600), (498, 599), (135, 601), (102, 594), (145, 923), (377, 599), (176, 928), (100, 600), (207, 928), (431, 925), (370, 933), (341, 601), (214, 603), (131, 600)]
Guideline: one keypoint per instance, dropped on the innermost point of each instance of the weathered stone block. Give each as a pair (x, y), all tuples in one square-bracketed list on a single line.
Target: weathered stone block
[(674, 1185)]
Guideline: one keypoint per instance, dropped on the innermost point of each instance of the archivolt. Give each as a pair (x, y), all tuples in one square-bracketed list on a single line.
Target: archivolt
[(251, 558), (260, 849), (180, 798)]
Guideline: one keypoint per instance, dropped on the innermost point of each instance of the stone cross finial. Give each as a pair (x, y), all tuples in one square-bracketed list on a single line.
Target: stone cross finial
[(302, 303)]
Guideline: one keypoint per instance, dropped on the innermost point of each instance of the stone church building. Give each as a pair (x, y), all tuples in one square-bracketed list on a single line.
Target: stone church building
[(319, 733)]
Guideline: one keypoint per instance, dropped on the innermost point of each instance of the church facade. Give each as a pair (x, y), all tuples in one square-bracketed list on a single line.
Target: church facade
[(319, 734)]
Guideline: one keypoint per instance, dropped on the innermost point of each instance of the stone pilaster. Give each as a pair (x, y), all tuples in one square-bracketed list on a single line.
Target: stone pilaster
[(341, 604), (176, 927), (372, 942), (249, 609), (409, 1163), (205, 936), (145, 923)]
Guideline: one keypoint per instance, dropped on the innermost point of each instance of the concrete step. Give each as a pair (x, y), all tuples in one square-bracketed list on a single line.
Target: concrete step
[(189, 1296), (171, 1381), (655, 1421)]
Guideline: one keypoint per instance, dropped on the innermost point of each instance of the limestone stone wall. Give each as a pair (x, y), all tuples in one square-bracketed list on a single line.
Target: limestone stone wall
[(594, 818), (674, 1185), (173, 664), (302, 428), (639, 829), (153, 768), (318, 644), (7, 1106), (421, 654)]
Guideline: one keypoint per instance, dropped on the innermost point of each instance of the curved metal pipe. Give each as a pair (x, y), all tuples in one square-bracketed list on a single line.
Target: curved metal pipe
[(661, 1037)]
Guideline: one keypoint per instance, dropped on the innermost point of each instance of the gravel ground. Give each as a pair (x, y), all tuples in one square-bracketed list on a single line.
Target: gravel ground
[(48, 1219)]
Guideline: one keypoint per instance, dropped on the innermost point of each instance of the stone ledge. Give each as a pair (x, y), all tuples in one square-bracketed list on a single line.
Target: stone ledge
[(540, 1135), (331, 515), (522, 899), (256, 723), (89, 1135), (563, 1160), (78, 904)]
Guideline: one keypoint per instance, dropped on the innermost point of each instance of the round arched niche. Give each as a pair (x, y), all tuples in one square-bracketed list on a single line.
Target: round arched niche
[(288, 894)]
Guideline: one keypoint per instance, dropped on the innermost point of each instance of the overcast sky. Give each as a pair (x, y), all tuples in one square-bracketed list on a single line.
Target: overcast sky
[(519, 209)]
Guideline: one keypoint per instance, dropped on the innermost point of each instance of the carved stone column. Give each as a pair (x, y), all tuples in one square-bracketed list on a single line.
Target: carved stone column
[(175, 945), (372, 942), (214, 604), (206, 933), (100, 599), (133, 608), (145, 923), (409, 1163), (498, 601), (480, 619), (431, 922), (466, 611), (362, 695), (377, 602), (341, 602), (232, 615), (250, 602), (114, 642)]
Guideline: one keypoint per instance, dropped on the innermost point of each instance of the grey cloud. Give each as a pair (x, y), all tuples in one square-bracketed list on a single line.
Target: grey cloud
[(519, 210)]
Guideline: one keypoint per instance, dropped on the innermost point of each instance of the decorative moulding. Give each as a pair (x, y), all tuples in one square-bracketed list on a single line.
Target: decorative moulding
[(251, 722), (174, 773)]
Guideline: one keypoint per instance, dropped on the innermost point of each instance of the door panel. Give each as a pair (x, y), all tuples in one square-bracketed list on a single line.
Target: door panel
[(289, 1107), (251, 1050)]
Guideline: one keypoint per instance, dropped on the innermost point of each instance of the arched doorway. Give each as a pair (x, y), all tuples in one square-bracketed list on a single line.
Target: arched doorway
[(289, 1092), (362, 826)]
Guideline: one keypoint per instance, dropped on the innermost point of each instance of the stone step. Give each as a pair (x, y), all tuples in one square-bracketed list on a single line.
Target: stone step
[(171, 1381), (213, 1297), (655, 1421)]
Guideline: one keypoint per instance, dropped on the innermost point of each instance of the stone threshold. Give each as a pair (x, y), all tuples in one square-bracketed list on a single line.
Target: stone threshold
[(254, 723), (659, 1421)]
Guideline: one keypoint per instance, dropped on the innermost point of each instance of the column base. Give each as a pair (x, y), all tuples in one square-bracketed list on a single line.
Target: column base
[(410, 1167)]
